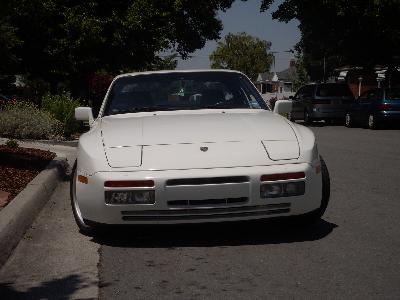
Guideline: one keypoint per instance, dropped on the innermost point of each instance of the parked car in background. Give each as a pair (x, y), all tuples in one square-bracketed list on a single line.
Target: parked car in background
[(190, 147), (375, 108), (3, 100), (324, 101)]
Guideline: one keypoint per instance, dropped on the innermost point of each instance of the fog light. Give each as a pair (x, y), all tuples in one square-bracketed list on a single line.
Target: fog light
[(287, 189), (271, 190), (294, 188), (129, 197)]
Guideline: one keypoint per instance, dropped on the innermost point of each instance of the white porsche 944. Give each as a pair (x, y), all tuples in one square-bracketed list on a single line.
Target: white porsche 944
[(190, 147)]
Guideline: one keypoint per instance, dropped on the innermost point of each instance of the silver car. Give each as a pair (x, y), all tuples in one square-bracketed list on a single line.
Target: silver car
[(323, 101)]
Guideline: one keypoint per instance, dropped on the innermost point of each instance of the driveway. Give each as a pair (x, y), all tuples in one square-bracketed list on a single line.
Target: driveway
[(354, 252)]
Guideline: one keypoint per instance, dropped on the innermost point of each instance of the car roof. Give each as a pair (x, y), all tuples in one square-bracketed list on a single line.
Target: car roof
[(178, 71)]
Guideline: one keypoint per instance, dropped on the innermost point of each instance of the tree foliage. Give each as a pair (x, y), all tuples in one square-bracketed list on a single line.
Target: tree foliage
[(345, 32), (244, 53), (70, 39), (8, 43), (301, 77)]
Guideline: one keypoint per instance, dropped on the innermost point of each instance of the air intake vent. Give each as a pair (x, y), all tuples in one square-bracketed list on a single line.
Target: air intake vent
[(208, 180), (203, 213), (208, 202)]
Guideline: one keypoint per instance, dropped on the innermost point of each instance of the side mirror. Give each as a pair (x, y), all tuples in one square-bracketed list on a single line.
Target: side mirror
[(84, 114), (283, 107)]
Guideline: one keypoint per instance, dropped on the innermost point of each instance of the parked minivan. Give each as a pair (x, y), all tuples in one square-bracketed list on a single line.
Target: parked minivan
[(322, 101)]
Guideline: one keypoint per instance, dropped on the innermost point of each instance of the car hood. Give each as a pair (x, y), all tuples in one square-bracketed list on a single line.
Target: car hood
[(238, 137)]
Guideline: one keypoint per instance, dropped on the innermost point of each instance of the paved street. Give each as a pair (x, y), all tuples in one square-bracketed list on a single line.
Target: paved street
[(353, 253)]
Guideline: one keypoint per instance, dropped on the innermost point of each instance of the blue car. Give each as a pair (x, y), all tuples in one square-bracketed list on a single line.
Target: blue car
[(375, 108), (3, 100)]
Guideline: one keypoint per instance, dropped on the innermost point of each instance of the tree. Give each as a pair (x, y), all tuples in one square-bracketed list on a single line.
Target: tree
[(244, 53), (8, 43), (168, 62), (301, 77), (68, 40), (342, 32)]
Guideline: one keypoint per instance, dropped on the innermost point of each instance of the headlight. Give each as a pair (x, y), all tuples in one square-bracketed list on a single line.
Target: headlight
[(282, 189), (129, 197)]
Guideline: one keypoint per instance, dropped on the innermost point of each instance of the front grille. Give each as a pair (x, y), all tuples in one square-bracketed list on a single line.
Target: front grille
[(207, 202), (207, 180), (205, 213)]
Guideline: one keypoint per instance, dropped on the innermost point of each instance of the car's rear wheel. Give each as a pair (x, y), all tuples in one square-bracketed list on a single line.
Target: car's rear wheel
[(316, 215), (348, 121), (83, 227), (372, 124)]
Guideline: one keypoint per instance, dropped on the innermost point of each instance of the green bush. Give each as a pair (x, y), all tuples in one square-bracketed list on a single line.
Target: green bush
[(22, 120), (11, 143), (62, 107)]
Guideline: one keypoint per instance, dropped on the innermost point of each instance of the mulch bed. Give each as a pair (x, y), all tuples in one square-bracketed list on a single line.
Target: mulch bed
[(18, 166)]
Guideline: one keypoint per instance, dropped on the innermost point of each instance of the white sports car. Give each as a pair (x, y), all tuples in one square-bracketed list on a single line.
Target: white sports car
[(193, 146)]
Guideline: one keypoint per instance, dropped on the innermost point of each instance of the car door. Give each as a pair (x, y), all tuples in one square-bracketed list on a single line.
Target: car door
[(297, 107), (307, 99), (366, 104), (356, 110)]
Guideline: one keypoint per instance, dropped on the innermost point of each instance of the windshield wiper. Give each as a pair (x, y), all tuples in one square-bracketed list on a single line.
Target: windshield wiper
[(224, 105), (154, 108)]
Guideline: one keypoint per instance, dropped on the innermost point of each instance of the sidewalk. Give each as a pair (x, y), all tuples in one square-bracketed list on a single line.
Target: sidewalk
[(53, 260)]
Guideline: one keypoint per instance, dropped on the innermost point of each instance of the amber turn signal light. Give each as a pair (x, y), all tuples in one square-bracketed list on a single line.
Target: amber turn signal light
[(83, 179)]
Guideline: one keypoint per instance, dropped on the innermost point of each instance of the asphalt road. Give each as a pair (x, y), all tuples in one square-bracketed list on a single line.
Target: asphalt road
[(354, 252)]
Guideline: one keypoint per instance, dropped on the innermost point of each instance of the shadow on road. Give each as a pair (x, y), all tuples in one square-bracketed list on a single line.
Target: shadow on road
[(209, 235), (62, 288)]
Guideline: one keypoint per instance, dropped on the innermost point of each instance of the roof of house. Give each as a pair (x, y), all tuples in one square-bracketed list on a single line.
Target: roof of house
[(286, 75)]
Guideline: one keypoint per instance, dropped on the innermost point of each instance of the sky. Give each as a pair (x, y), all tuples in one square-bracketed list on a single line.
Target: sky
[(246, 17)]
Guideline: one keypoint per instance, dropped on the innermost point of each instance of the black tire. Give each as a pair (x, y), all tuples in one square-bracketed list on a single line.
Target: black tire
[(372, 123), (348, 121), (316, 215), (83, 227), (307, 118)]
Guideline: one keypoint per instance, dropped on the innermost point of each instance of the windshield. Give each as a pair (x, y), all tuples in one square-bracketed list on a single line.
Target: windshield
[(182, 91), (334, 90)]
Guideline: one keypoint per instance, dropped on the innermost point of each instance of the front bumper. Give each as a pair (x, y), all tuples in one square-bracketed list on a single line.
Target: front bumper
[(246, 202)]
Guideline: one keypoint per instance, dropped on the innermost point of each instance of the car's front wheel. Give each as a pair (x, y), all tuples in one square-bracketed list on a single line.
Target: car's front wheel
[(307, 117), (83, 227), (316, 215)]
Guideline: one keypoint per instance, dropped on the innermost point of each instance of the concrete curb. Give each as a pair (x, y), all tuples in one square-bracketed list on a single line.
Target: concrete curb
[(20, 213)]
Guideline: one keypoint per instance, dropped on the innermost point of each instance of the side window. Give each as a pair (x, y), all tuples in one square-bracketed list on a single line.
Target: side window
[(369, 96), (376, 95), (308, 91), (373, 95), (299, 93)]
